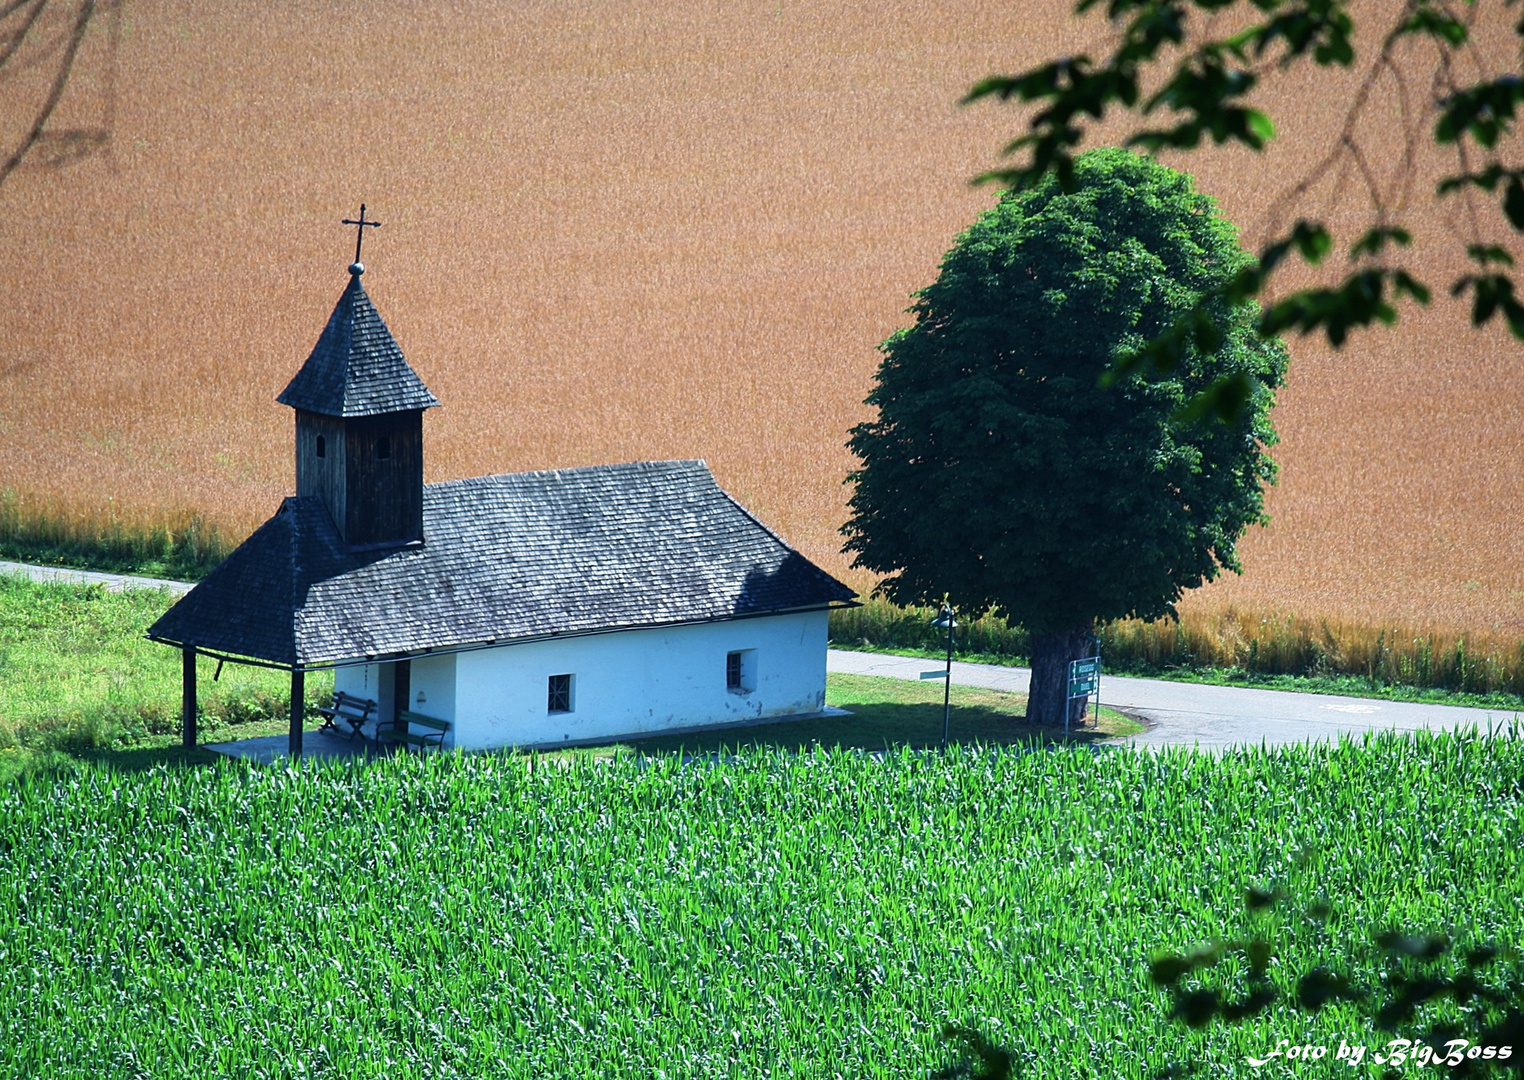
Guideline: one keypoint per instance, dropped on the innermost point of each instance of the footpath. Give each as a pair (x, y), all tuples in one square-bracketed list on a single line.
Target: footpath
[(114, 582)]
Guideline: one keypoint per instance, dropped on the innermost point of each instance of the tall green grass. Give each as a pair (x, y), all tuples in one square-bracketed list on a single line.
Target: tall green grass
[(781, 915), (1232, 639), (182, 546), (77, 673), (881, 625)]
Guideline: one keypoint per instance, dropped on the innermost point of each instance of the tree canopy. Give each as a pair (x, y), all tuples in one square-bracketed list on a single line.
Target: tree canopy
[(997, 472)]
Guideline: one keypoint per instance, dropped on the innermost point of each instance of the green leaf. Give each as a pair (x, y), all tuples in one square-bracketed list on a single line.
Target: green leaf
[(1259, 954), (1312, 240), (1197, 1007), (1000, 86), (1482, 955), (1513, 202), (1491, 293), (1484, 111), (1405, 284), (1420, 946), (1168, 969), (1258, 1000), (1374, 241), (979, 1058), (1434, 23), (1487, 254), (1257, 899), (1261, 125), (1320, 986)]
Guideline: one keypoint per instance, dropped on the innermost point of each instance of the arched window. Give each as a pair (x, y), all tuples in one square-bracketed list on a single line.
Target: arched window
[(322, 446)]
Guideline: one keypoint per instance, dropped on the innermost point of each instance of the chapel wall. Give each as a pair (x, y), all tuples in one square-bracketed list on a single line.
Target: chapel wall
[(640, 681)]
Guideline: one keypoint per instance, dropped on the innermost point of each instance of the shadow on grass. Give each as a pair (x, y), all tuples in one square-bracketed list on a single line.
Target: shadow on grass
[(164, 751), (870, 726), (141, 759), (19, 764), (877, 726)]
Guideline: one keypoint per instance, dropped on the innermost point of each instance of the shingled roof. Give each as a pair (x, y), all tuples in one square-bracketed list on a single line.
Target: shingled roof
[(509, 557), (356, 368)]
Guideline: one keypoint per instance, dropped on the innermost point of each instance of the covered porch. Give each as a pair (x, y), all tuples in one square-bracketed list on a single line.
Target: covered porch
[(338, 741)]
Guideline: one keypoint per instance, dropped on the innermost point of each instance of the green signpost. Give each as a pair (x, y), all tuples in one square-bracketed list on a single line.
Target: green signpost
[(1084, 680)]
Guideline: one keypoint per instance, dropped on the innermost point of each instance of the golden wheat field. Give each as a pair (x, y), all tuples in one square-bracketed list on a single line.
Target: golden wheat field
[(623, 230)]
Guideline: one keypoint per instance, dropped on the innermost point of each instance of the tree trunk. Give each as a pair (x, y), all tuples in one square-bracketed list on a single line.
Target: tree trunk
[(1051, 655)]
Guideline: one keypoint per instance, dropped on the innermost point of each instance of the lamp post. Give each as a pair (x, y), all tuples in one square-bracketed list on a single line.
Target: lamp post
[(945, 619)]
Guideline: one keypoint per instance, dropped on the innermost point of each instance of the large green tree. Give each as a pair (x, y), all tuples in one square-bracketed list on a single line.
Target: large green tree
[(1000, 475)]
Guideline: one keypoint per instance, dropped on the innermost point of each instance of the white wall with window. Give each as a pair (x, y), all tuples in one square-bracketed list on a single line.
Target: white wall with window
[(638, 681)]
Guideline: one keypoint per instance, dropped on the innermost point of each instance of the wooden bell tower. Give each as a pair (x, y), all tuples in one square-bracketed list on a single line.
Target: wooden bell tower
[(359, 423)]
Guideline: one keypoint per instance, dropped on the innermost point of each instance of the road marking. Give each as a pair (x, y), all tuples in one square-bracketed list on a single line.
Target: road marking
[(1352, 708)]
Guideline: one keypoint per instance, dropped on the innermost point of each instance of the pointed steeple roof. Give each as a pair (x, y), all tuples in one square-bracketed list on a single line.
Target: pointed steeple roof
[(356, 368)]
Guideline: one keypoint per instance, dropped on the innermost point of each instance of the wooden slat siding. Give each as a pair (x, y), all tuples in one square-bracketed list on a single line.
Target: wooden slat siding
[(399, 732), (325, 476), (411, 718), (384, 500)]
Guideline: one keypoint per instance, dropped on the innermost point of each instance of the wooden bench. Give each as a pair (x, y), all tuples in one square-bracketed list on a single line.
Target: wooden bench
[(405, 730), (354, 711)]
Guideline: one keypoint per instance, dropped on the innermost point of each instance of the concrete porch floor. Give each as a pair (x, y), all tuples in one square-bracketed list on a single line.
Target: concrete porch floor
[(316, 746)]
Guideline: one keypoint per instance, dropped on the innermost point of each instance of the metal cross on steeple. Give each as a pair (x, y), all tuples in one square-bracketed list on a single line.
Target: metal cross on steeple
[(360, 232)]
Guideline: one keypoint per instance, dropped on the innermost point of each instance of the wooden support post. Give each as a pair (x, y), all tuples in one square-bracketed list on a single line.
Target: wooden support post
[(298, 709), (402, 690), (188, 697)]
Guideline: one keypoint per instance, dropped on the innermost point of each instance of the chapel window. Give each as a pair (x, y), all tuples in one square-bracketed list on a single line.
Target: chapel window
[(560, 694), (741, 671)]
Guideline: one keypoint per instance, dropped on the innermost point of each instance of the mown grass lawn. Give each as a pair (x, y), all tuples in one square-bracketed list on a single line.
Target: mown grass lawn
[(888, 713)]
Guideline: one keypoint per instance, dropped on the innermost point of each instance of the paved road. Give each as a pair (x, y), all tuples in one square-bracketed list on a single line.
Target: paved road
[(114, 582), (1211, 717)]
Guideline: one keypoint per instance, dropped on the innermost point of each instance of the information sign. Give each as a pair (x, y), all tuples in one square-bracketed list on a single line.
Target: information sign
[(1084, 677)]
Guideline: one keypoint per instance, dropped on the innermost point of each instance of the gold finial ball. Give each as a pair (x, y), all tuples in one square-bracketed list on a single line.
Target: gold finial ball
[(357, 268)]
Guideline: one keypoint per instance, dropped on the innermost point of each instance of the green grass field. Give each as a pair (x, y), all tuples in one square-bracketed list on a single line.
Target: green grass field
[(780, 911), (780, 914), (78, 676), (888, 713), (79, 679)]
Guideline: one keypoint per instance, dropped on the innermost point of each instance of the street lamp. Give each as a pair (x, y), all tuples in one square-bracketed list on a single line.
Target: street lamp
[(945, 619)]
